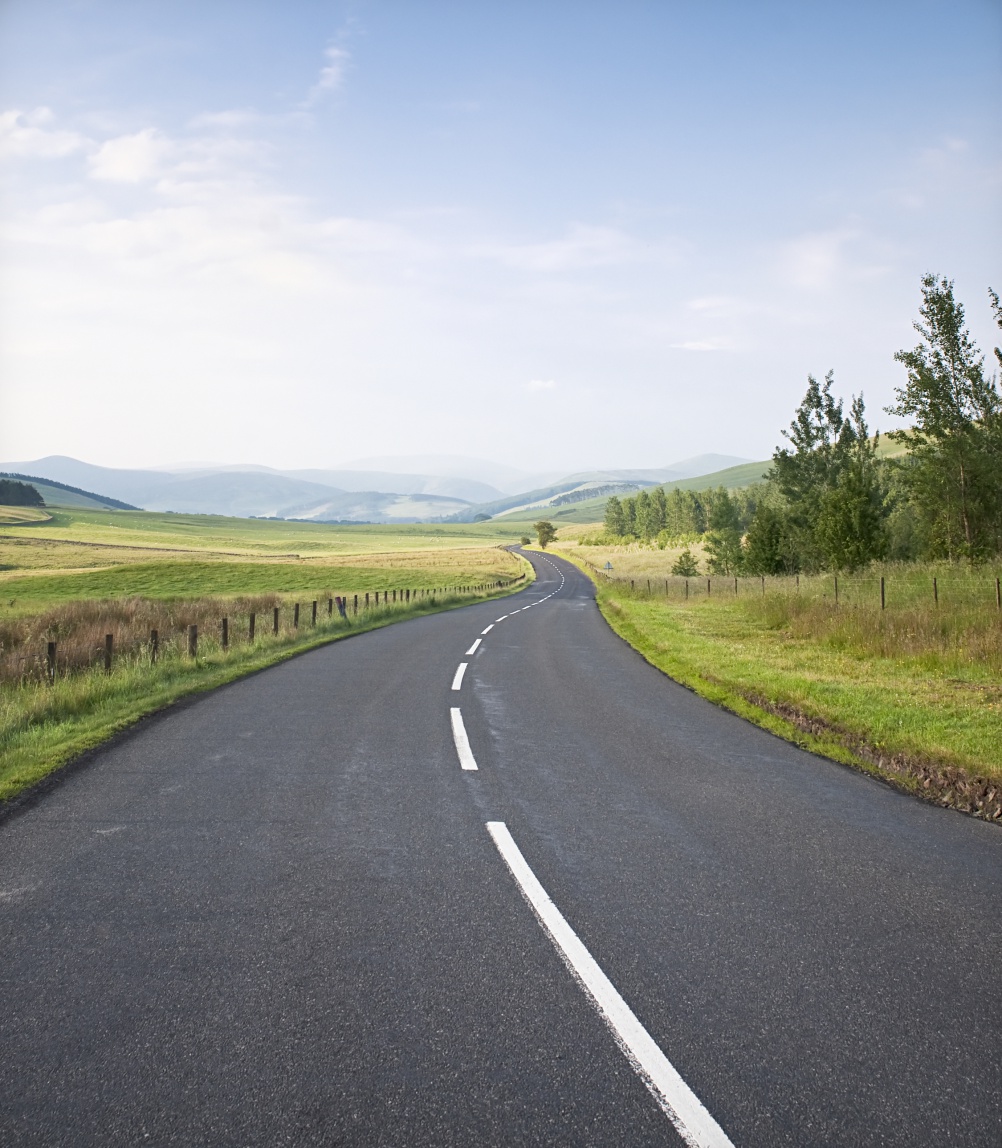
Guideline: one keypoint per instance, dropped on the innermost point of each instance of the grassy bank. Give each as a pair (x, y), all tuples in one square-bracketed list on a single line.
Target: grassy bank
[(911, 692), (43, 726)]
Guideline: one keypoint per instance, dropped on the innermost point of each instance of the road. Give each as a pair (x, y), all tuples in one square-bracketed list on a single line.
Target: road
[(285, 913)]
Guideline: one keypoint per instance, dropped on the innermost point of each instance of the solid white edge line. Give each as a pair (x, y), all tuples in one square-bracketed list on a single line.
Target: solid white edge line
[(487, 631), (473, 648), (466, 758), (457, 681), (680, 1104)]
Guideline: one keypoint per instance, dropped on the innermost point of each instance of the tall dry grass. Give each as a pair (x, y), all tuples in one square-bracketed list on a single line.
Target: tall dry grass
[(79, 630), (945, 618)]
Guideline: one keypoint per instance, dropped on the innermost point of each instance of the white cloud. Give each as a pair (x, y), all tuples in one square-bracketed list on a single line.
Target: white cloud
[(814, 261), (331, 74), (699, 345), (131, 159), (27, 134), (583, 246), (540, 384)]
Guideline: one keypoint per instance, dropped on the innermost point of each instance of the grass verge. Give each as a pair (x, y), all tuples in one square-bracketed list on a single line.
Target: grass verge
[(43, 727), (928, 722)]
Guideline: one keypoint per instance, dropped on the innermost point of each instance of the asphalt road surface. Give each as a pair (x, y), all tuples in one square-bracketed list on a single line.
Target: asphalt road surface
[(293, 912)]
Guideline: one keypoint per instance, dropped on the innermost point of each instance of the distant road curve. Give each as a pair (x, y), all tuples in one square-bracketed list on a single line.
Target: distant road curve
[(366, 897)]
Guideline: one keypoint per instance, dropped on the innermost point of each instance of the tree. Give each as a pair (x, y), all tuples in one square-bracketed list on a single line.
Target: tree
[(764, 551), (524, 540), (953, 470), (643, 515), (684, 514), (833, 462), (545, 531), (19, 494), (849, 530), (615, 522), (629, 517), (684, 565), (659, 510), (723, 538)]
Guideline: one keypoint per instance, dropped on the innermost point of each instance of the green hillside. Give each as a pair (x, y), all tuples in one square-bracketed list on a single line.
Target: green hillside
[(593, 509)]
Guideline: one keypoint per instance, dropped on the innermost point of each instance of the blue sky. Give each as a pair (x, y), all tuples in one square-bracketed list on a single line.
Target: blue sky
[(552, 234)]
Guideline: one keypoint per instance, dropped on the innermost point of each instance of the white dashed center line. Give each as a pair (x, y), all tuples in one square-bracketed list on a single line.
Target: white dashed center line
[(488, 630), (457, 681), (677, 1100), (473, 648), (466, 759)]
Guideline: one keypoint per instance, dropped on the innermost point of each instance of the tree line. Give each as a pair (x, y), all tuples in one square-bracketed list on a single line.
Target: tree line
[(19, 494), (830, 501)]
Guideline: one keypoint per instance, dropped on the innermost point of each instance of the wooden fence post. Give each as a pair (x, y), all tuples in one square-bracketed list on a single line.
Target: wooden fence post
[(882, 599), (356, 604), (226, 633), (250, 628), (50, 663), (998, 593), (708, 587), (935, 592), (735, 587), (330, 607), (687, 589), (109, 647), (836, 589), (295, 616), (154, 647), (314, 620), (193, 641), (276, 621), (367, 599), (763, 585)]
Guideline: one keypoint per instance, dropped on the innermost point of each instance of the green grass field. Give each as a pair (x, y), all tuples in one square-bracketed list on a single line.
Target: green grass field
[(912, 692)]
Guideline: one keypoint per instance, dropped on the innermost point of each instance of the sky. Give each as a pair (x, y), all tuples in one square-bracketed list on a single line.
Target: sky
[(556, 235)]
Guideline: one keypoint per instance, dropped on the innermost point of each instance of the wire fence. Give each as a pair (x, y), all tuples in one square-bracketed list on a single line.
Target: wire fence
[(892, 590), (92, 636)]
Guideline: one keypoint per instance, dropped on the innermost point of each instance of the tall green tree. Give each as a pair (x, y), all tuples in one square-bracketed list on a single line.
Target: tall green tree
[(764, 550), (659, 510), (546, 532), (615, 522), (850, 528), (643, 515), (953, 471), (723, 538), (830, 484)]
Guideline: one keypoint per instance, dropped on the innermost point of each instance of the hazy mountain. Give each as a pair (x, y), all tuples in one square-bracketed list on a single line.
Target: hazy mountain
[(427, 487), (389, 482), (504, 478), (704, 464), (246, 492)]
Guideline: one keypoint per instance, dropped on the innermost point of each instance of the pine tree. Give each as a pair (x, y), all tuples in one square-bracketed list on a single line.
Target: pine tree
[(953, 470), (615, 522)]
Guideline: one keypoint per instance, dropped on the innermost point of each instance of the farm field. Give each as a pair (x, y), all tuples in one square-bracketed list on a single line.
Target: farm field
[(79, 554), (88, 581), (911, 691)]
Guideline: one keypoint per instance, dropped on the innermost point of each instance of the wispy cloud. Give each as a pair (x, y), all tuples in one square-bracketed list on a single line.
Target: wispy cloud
[(583, 246), (540, 384), (332, 74)]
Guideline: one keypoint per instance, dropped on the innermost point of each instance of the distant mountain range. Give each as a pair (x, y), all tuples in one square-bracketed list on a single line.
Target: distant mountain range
[(425, 489)]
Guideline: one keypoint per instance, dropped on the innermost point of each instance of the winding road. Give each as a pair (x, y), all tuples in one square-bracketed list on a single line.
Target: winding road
[(367, 897)]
